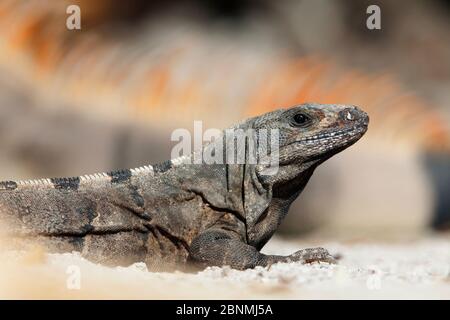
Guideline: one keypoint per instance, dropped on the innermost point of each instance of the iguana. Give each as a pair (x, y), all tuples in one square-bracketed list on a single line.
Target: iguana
[(178, 212)]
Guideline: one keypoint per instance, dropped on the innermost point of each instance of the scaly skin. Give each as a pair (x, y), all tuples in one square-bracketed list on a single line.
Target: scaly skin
[(177, 214)]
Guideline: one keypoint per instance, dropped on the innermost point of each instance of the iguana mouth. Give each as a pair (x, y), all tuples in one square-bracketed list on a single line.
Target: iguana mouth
[(353, 131)]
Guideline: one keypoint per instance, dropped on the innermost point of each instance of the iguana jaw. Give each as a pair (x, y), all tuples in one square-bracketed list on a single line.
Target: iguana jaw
[(322, 138)]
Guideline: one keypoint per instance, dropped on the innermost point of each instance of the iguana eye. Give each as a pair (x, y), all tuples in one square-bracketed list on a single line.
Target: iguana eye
[(301, 120)]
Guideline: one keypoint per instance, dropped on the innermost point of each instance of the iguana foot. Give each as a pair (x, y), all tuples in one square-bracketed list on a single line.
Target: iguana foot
[(311, 255)]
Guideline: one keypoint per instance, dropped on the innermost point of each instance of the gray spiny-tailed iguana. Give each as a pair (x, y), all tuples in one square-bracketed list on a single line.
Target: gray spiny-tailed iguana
[(175, 213)]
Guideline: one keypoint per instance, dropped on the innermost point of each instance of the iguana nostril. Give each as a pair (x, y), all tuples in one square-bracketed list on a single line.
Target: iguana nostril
[(349, 116)]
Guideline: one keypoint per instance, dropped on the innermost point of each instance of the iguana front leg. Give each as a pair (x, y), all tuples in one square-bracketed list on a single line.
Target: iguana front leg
[(219, 247)]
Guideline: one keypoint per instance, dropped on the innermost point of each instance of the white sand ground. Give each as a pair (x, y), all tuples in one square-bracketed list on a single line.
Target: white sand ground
[(418, 269)]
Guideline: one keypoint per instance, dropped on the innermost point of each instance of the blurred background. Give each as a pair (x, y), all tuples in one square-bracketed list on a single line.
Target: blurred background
[(109, 95)]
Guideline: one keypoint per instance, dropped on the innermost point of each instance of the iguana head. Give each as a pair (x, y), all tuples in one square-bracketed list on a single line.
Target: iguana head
[(310, 133)]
